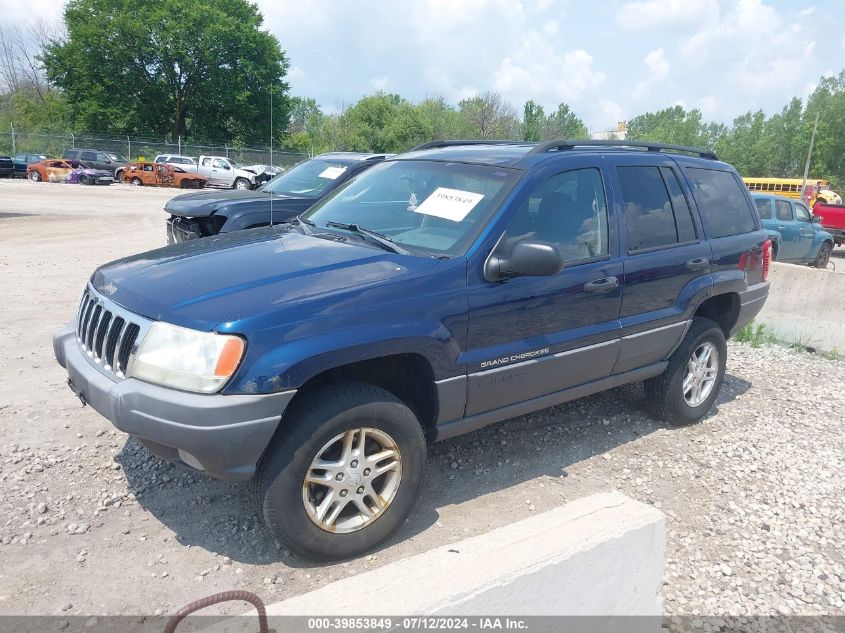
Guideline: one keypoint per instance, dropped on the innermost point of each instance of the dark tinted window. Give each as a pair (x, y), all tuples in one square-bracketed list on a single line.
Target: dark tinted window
[(764, 208), (784, 210), (653, 218), (88, 156), (683, 215), (569, 210), (722, 201)]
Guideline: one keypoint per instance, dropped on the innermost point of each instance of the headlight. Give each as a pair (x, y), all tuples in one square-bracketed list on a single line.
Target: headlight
[(186, 359)]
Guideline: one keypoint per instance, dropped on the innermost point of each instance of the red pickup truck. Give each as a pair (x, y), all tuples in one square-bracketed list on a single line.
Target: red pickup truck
[(833, 219)]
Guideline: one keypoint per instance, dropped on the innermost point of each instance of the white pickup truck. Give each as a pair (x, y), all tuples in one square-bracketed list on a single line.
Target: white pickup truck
[(220, 171)]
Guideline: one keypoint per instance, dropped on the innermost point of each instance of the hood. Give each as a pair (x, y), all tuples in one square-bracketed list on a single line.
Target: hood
[(203, 283), (206, 203)]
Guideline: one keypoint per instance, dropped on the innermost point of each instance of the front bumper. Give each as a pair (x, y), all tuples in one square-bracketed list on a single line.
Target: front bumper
[(750, 303), (181, 229), (222, 435)]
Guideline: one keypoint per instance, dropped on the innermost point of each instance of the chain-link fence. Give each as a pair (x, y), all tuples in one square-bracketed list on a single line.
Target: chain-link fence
[(133, 148)]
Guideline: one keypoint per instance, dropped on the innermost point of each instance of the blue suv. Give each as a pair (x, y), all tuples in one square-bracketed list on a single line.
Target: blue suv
[(435, 293)]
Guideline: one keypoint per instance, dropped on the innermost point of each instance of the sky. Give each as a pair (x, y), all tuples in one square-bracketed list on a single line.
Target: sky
[(609, 59)]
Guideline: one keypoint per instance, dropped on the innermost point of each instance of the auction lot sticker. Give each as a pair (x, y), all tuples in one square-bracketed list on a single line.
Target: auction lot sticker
[(449, 204), (331, 172)]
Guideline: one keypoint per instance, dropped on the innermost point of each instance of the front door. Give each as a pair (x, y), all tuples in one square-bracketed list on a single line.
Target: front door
[(806, 231), (531, 336), (791, 247)]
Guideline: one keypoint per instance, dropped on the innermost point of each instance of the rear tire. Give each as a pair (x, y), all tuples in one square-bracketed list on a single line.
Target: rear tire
[(824, 256), (667, 395), (136, 182), (314, 431)]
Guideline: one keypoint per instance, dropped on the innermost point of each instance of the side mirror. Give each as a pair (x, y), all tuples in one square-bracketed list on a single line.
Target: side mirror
[(528, 258), (817, 219)]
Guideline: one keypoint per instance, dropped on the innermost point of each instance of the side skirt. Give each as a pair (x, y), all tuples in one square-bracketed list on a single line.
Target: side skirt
[(475, 422)]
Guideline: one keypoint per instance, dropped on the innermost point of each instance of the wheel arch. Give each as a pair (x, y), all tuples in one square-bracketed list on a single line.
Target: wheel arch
[(409, 376), (721, 308)]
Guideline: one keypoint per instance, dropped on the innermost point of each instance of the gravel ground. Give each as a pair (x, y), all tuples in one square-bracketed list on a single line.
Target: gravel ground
[(91, 524)]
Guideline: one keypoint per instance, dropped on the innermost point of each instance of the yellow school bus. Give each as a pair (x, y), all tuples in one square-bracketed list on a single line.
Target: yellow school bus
[(791, 188)]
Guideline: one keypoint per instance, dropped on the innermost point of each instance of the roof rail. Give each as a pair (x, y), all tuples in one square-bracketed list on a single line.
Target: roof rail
[(452, 142), (548, 146)]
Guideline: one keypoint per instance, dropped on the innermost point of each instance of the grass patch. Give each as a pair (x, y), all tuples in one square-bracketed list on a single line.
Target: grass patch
[(755, 334)]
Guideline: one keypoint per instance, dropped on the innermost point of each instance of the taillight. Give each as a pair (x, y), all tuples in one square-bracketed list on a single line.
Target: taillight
[(767, 258)]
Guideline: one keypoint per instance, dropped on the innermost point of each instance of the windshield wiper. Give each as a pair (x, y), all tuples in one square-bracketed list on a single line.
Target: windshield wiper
[(385, 242), (302, 223)]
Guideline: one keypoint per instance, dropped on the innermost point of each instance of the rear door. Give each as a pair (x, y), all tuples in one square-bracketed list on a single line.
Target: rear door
[(531, 336), (667, 261)]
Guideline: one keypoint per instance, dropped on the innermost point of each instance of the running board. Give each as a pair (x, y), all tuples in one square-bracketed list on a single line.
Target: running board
[(473, 423)]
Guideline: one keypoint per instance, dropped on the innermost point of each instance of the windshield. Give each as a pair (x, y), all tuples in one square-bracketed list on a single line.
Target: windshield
[(306, 179), (433, 207)]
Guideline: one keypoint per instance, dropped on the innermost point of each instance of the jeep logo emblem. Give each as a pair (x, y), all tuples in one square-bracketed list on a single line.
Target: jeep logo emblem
[(110, 288)]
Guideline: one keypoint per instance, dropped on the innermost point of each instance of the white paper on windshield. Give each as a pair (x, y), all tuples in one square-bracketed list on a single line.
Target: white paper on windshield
[(450, 204), (331, 172)]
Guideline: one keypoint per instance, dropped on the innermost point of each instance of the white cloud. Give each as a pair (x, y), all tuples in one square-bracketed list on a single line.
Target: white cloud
[(379, 83), (667, 15), (538, 70), (807, 12), (295, 72), (657, 64)]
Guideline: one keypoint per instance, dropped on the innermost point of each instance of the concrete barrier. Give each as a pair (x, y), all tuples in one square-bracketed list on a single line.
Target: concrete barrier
[(806, 305), (599, 555)]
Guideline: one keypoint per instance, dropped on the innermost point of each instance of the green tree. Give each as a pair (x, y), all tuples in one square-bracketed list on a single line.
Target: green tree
[(828, 158), (380, 123), (488, 116), (563, 123), (533, 118), (671, 125), (202, 68)]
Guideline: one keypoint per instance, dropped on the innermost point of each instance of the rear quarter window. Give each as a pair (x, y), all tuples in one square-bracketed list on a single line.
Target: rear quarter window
[(722, 201)]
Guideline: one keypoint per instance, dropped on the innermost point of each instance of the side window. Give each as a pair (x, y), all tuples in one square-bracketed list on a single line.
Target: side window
[(219, 163), (784, 210), (802, 213), (88, 156), (764, 208), (569, 210), (656, 211), (206, 162), (723, 202), (103, 158)]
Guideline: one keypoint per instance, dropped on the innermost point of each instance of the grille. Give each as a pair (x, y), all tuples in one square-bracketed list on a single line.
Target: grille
[(106, 333)]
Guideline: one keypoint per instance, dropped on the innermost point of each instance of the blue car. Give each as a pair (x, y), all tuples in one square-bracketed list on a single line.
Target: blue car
[(430, 295), (801, 239)]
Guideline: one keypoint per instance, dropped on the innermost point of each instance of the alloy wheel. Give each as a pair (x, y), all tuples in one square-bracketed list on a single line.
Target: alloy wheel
[(352, 480), (701, 373)]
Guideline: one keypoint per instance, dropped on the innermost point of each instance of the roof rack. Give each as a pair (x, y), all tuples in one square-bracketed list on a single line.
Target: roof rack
[(548, 146), (453, 142)]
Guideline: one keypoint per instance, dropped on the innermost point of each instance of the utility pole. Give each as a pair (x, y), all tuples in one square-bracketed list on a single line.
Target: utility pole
[(13, 138), (807, 164), (271, 124)]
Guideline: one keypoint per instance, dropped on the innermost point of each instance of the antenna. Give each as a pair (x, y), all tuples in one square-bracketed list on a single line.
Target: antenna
[(271, 148)]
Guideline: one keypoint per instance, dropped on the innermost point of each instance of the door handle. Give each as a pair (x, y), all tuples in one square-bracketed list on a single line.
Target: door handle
[(698, 263), (781, 228), (601, 285)]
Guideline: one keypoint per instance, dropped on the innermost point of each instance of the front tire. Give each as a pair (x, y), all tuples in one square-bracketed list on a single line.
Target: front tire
[(34, 176), (323, 491), (684, 393), (85, 180), (136, 182), (823, 257), (242, 184)]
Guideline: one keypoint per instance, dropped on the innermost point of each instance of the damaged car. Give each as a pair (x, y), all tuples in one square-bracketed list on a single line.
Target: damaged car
[(58, 170), (146, 174), (196, 215)]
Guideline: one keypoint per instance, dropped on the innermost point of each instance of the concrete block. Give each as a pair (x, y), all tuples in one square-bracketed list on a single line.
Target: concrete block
[(806, 305), (599, 555)]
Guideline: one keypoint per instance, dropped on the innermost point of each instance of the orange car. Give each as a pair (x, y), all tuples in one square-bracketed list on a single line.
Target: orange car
[(161, 175)]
